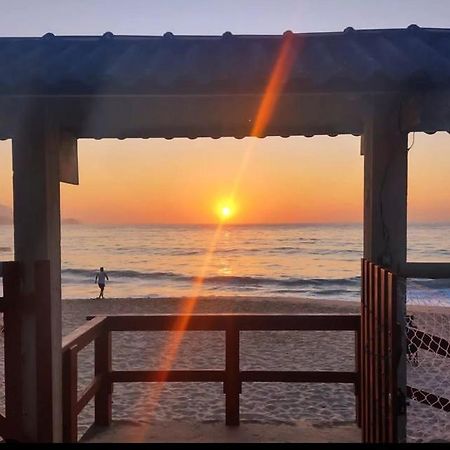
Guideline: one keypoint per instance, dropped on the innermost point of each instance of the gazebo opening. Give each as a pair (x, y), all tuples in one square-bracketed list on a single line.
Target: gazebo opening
[(56, 91), (287, 194), (294, 238)]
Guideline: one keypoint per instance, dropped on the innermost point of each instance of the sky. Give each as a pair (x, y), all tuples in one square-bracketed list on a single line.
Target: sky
[(297, 179)]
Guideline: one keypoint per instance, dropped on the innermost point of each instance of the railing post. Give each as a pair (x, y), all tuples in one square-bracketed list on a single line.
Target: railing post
[(358, 399), (103, 398), (232, 384), (70, 395)]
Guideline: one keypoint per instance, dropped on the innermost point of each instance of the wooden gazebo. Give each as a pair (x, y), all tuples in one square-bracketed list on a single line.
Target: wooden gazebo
[(377, 84)]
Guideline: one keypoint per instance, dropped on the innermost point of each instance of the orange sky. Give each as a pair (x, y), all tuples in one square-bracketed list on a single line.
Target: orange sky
[(286, 180)]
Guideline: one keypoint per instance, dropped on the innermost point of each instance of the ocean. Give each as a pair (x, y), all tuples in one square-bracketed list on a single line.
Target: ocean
[(313, 261)]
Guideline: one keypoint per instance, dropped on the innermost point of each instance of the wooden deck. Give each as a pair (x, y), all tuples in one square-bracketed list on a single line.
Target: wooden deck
[(217, 432)]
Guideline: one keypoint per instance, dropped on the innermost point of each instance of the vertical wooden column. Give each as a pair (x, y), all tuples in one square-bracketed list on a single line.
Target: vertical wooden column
[(232, 376), (42, 300), (384, 148), (70, 393), (103, 398), (36, 143)]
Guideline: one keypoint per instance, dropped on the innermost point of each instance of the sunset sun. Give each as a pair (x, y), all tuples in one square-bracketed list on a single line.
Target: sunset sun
[(225, 210)]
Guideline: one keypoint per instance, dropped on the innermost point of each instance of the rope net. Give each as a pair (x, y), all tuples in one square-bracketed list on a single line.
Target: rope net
[(428, 360)]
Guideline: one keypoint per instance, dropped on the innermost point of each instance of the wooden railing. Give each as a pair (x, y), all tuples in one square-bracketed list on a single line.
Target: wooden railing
[(9, 306), (95, 330), (99, 329)]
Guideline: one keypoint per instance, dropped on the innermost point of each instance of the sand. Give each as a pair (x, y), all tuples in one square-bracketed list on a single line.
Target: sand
[(310, 406), (270, 412)]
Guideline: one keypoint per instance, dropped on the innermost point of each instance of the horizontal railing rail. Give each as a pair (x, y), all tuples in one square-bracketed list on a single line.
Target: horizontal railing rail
[(427, 341), (430, 270), (99, 329), (428, 398), (243, 322), (85, 334)]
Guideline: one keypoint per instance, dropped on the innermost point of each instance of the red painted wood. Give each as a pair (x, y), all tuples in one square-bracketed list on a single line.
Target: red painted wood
[(380, 354), (394, 356), (365, 352), (371, 355), (358, 377), (377, 351), (383, 354)]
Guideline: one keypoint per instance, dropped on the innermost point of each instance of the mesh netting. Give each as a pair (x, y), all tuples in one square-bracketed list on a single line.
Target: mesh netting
[(428, 361)]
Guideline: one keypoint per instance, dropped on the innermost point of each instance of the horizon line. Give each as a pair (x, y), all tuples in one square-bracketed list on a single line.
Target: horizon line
[(444, 222)]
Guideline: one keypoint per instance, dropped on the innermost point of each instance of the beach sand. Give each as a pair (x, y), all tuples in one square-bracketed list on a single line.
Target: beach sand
[(270, 412), (312, 407), (318, 412)]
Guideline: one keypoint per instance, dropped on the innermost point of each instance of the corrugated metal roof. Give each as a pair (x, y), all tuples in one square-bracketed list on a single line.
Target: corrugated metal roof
[(353, 60)]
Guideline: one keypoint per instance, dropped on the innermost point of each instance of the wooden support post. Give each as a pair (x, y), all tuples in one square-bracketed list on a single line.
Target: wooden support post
[(37, 236), (232, 384), (385, 187), (384, 147), (44, 351), (70, 393), (12, 348), (103, 367)]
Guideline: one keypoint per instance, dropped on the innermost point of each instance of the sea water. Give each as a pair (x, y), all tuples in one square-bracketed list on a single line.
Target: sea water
[(307, 260)]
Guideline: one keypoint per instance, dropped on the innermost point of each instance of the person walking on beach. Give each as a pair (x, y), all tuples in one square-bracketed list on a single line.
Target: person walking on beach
[(101, 276)]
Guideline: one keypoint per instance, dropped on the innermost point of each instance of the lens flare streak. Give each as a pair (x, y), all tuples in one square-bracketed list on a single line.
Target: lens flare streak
[(279, 74)]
